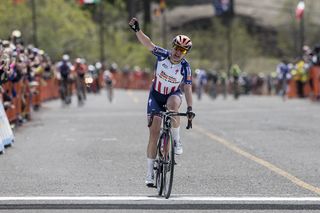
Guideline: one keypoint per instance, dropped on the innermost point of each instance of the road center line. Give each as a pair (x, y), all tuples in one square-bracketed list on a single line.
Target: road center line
[(260, 161)]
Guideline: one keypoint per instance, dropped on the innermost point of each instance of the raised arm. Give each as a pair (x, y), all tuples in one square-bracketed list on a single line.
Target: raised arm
[(143, 38)]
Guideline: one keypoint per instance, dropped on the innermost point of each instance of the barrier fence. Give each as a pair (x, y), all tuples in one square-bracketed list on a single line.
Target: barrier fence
[(311, 87)]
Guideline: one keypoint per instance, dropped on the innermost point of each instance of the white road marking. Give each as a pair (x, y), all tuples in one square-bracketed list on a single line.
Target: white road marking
[(260, 161), (109, 139), (173, 198)]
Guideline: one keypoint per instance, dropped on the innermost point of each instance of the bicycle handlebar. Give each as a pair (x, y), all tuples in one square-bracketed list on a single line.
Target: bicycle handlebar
[(171, 114)]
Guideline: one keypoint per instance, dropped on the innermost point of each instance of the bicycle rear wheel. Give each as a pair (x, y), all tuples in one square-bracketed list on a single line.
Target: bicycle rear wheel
[(168, 165), (158, 167)]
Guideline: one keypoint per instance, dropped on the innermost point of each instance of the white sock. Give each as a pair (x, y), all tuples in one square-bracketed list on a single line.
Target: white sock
[(150, 165), (176, 133)]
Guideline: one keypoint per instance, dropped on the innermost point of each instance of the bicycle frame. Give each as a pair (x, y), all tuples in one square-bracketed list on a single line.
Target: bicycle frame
[(165, 153)]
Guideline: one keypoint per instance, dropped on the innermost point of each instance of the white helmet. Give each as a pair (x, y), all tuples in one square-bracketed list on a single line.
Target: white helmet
[(65, 57)]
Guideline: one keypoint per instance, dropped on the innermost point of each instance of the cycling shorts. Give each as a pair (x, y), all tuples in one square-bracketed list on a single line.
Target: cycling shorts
[(157, 101)]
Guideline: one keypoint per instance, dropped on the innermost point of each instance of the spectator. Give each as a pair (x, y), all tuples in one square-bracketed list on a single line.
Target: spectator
[(283, 73)]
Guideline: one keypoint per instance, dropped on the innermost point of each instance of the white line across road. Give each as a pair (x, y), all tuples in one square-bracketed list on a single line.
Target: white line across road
[(175, 202), (173, 198)]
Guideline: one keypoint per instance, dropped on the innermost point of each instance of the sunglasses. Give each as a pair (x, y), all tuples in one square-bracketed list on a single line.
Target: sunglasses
[(181, 49)]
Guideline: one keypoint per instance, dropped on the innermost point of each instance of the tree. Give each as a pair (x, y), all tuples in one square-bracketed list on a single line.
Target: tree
[(62, 27)]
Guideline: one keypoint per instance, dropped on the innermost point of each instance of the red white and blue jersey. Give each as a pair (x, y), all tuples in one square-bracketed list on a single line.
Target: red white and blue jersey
[(169, 76)]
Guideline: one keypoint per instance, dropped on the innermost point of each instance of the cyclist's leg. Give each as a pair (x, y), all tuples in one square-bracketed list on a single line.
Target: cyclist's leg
[(69, 90), (111, 90), (78, 89), (173, 104), (154, 132), (65, 88), (154, 129), (61, 89), (83, 87)]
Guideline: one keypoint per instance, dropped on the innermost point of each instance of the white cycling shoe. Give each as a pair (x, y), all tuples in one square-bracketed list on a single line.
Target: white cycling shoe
[(150, 180), (178, 148)]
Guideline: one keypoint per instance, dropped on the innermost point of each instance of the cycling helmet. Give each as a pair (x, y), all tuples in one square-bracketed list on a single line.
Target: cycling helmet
[(91, 68), (65, 57), (16, 33), (98, 65), (182, 41), (78, 60)]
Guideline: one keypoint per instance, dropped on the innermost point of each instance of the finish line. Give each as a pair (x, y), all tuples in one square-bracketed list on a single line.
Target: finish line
[(158, 198), (157, 203)]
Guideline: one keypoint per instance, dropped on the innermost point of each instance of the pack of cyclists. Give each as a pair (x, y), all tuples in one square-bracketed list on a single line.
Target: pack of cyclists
[(79, 78)]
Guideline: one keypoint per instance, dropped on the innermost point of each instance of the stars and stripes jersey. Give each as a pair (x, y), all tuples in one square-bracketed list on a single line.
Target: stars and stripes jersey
[(169, 76)]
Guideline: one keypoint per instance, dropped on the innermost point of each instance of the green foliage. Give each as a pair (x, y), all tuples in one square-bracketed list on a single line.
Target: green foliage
[(66, 27), (123, 52), (261, 64), (210, 46), (289, 34), (71, 31), (62, 27), (14, 17)]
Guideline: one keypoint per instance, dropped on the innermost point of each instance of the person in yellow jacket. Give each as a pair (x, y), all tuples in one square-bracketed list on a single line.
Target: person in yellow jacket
[(300, 75), (235, 72)]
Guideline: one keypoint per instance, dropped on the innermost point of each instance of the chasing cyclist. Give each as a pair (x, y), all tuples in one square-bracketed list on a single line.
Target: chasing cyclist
[(64, 69), (107, 76), (80, 69), (172, 72)]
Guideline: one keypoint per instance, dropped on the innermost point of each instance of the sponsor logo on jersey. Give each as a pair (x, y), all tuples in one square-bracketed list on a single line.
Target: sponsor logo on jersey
[(165, 66), (165, 77), (159, 50)]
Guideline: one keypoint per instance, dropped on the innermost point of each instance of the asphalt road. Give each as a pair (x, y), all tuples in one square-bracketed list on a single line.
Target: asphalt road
[(257, 153)]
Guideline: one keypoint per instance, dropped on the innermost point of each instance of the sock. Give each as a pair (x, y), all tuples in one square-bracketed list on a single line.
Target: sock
[(176, 133), (150, 165)]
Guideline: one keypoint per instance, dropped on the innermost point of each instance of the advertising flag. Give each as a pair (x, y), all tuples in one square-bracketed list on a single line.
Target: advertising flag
[(300, 10)]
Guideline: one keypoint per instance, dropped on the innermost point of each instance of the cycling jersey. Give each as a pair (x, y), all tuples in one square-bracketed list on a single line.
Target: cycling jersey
[(168, 76), (167, 80), (107, 76), (283, 71), (80, 69), (64, 68)]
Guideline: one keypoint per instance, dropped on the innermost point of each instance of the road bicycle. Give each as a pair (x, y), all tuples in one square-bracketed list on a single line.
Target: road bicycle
[(109, 89), (165, 159), (81, 90)]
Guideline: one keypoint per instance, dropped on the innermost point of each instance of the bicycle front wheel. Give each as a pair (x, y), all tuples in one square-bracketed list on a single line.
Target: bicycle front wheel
[(168, 165), (159, 166)]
